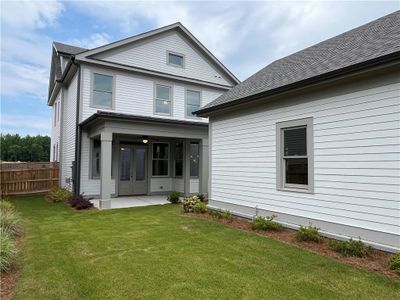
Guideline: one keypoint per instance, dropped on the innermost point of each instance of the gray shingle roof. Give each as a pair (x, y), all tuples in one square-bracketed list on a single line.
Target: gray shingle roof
[(68, 49), (370, 41)]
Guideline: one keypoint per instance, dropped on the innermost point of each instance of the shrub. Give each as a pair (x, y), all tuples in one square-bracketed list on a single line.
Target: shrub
[(200, 207), (174, 197), (201, 197), (10, 222), (80, 202), (227, 215), (309, 233), (190, 203), (58, 195), (6, 205), (395, 263), (267, 223), (8, 251), (350, 248), (216, 214)]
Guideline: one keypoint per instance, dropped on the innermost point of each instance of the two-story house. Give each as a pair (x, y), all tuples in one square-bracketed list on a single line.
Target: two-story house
[(122, 114)]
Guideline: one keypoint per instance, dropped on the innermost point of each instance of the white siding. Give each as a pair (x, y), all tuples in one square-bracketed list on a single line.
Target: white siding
[(161, 184), (68, 134), (194, 186), (152, 54), (134, 94), (356, 158), (179, 185), (55, 128)]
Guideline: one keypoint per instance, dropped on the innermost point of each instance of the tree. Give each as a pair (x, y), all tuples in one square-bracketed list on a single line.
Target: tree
[(13, 147)]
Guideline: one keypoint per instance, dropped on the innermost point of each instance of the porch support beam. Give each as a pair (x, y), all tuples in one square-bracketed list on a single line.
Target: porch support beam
[(105, 170)]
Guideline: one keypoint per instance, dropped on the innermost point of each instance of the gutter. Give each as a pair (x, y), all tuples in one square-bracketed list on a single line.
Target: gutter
[(303, 83), (76, 177)]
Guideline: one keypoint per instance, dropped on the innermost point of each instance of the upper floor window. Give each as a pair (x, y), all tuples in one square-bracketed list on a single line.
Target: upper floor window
[(193, 99), (163, 100), (102, 90), (175, 59), (295, 155)]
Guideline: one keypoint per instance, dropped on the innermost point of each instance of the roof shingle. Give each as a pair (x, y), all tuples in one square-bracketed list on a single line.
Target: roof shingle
[(372, 40)]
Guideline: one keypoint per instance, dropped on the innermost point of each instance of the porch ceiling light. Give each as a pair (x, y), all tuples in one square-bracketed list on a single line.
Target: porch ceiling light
[(145, 139)]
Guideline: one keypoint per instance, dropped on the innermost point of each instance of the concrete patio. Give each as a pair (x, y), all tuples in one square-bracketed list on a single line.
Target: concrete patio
[(133, 201)]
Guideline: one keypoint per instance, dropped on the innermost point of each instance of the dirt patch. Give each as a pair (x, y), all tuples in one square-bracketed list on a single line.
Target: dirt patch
[(378, 261)]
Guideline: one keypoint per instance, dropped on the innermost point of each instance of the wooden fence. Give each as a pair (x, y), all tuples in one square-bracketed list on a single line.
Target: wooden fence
[(28, 177)]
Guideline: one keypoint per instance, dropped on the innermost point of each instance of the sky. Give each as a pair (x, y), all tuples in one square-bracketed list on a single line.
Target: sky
[(244, 35)]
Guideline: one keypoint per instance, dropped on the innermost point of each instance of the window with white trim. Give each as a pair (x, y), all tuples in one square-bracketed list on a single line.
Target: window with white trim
[(295, 155), (102, 90), (160, 159), (193, 101), (162, 100)]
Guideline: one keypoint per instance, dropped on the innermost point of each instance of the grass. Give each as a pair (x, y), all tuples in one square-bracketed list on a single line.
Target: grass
[(156, 253)]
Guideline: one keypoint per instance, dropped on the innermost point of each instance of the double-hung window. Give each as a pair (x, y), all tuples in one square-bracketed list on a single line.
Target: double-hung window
[(295, 155), (193, 101), (163, 100), (160, 159), (102, 90), (178, 160)]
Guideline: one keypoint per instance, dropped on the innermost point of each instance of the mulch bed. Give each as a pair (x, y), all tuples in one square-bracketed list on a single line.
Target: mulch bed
[(378, 261)]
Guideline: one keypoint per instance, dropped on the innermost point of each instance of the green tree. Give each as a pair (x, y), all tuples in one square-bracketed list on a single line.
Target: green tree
[(13, 147)]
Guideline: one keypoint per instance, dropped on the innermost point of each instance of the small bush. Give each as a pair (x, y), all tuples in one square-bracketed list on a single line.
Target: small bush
[(226, 214), (58, 195), (80, 202), (174, 197), (6, 205), (395, 263), (267, 223), (216, 214), (8, 251), (10, 222), (201, 197), (200, 207), (190, 203), (309, 233), (350, 248)]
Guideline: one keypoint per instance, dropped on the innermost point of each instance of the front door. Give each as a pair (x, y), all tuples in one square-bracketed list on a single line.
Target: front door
[(132, 170)]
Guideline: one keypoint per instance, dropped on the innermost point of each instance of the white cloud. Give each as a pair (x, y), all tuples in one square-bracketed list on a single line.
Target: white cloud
[(25, 124), (93, 41), (30, 14)]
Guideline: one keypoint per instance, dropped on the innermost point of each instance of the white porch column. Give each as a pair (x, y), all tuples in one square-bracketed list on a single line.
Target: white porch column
[(186, 166), (105, 170), (204, 166)]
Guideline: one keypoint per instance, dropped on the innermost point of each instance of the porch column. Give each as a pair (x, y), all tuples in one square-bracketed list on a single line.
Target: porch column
[(203, 167), (186, 166), (105, 170)]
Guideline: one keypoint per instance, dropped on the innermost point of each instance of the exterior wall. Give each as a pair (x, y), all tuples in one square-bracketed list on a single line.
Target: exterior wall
[(55, 129), (194, 186), (178, 185), (356, 160), (152, 54), (134, 94), (68, 132)]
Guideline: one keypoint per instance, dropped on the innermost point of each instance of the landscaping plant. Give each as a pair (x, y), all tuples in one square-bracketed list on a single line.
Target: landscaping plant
[(58, 195), (10, 222), (6, 205), (265, 223), (8, 251), (216, 213), (350, 248), (80, 202), (395, 263), (174, 197), (226, 214), (309, 233), (190, 203), (201, 197), (200, 207)]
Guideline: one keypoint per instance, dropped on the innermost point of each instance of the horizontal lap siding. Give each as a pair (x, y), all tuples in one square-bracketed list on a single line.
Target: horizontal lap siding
[(134, 94), (356, 159)]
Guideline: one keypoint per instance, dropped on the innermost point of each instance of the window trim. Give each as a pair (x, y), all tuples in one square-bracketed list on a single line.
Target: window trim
[(92, 104), (171, 101), (186, 102), (168, 160), (176, 54), (280, 172)]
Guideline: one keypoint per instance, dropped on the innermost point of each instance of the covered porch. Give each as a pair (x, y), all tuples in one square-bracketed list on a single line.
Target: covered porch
[(124, 159)]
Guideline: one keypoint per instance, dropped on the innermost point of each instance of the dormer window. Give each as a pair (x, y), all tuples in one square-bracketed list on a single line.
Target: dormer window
[(175, 59)]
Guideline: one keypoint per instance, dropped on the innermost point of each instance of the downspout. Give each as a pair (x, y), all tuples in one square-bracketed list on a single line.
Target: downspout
[(78, 137)]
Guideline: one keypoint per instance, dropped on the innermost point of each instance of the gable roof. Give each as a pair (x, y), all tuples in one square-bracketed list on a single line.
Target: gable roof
[(67, 49), (175, 26), (375, 42)]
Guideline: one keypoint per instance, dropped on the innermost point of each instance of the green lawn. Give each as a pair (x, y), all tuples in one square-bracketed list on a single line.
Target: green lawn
[(154, 252)]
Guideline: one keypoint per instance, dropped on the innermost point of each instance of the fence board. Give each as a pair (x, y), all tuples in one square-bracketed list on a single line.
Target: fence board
[(28, 178)]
